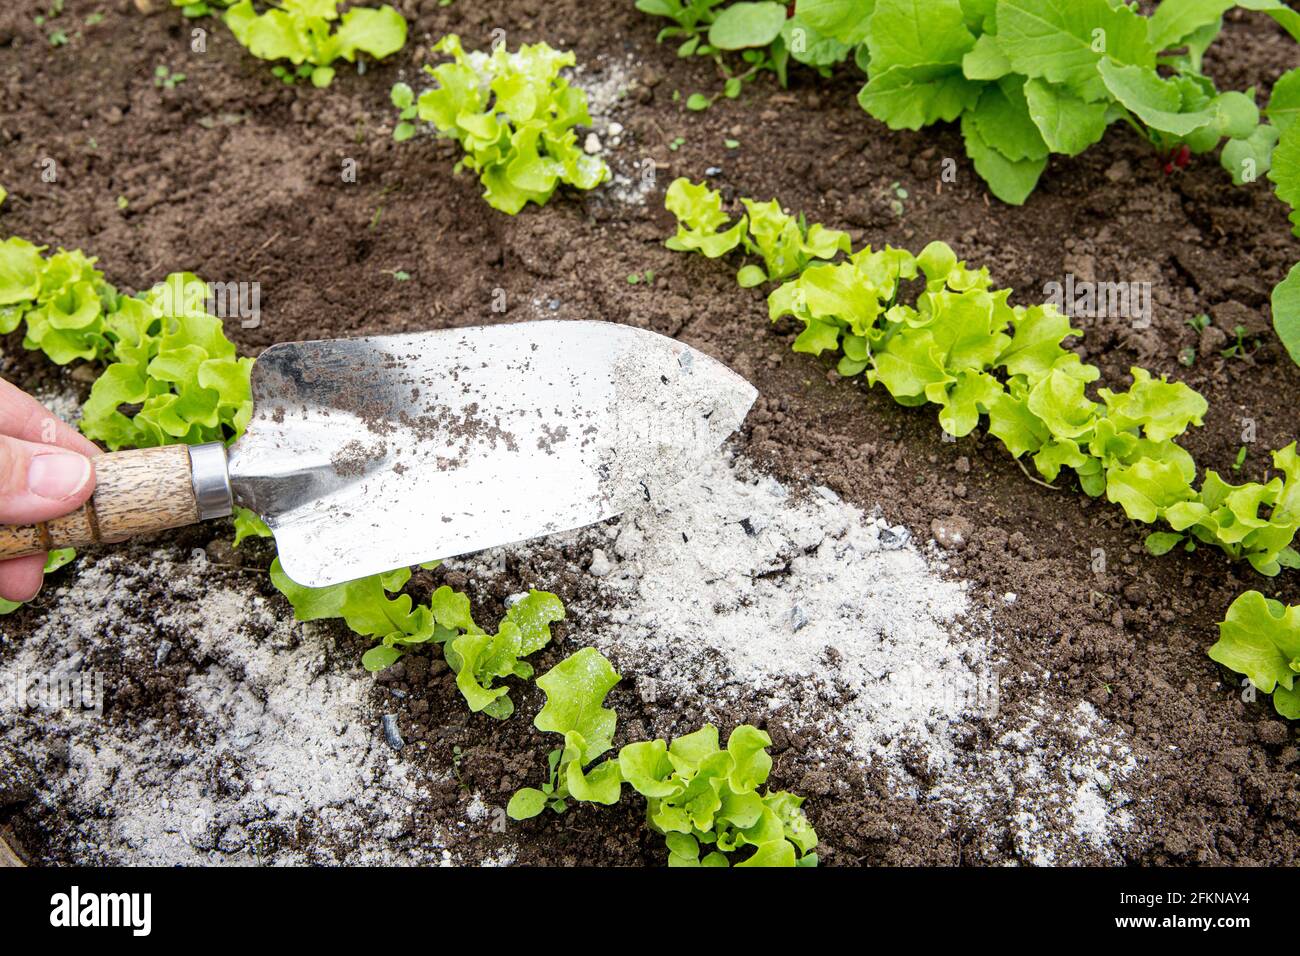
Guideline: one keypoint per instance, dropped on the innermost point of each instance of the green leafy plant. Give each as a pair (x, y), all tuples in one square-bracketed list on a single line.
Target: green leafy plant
[(1283, 168), (62, 298), (706, 800), (476, 657), (966, 349), (697, 795), (575, 695), (1028, 78), (164, 78), (202, 8), (53, 561), (248, 525), (172, 363), (1025, 78), (785, 244), (311, 35), (764, 37), (1260, 637), (514, 116)]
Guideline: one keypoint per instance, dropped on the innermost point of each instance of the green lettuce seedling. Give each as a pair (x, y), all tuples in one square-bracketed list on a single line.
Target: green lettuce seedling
[(172, 360), (62, 298), (785, 243), (1260, 638), (514, 116), (965, 348), (311, 35), (476, 657), (248, 525), (575, 695), (697, 795), (705, 799)]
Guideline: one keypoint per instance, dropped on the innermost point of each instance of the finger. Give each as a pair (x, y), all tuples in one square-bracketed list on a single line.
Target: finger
[(22, 416), (20, 578), (40, 482)]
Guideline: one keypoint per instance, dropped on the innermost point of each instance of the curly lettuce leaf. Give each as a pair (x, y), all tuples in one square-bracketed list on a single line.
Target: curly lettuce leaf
[(575, 692), (175, 362), (1260, 638), (698, 794), (311, 32), (514, 116)]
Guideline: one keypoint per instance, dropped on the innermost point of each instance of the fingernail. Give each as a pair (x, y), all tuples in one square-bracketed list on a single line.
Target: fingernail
[(58, 475)]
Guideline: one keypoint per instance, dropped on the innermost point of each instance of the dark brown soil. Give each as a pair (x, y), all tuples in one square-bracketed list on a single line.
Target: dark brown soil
[(238, 178)]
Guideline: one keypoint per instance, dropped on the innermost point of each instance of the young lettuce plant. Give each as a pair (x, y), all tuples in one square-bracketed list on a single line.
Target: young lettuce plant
[(311, 35), (514, 116), (786, 244), (700, 797), (575, 696), (173, 363), (697, 794), (1260, 638), (62, 298), (476, 657), (966, 349)]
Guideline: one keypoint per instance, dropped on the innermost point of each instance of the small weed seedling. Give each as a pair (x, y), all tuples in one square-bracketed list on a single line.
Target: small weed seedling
[(166, 79), (1237, 349)]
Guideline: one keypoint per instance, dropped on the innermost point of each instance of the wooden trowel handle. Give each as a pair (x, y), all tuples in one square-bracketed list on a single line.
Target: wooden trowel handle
[(136, 493)]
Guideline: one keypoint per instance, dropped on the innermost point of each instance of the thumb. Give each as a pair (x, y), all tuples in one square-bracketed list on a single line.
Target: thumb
[(40, 482)]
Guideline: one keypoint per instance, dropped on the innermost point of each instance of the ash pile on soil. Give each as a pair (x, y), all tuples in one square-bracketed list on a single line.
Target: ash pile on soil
[(736, 599), (270, 753), (734, 581)]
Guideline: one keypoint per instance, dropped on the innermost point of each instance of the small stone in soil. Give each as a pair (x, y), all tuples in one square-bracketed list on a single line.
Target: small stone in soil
[(891, 539), (951, 533), (391, 734), (600, 563)]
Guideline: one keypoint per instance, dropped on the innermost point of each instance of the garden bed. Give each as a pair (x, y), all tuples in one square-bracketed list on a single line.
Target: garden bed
[(794, 585)]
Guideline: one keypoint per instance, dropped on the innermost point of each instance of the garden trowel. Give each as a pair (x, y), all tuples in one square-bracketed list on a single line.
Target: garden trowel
[(365, 455)]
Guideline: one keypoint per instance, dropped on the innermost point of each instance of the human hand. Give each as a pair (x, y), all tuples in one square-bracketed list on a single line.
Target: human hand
[(45, 472)]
